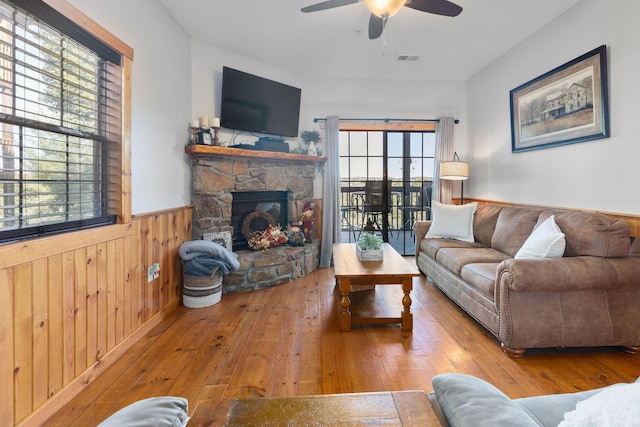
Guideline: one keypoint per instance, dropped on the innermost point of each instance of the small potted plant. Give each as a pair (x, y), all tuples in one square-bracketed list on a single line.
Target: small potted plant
[(310, 139), (369, 247)]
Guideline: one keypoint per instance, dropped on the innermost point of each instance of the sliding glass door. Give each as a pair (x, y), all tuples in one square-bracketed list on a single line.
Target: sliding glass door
[(385, 184)]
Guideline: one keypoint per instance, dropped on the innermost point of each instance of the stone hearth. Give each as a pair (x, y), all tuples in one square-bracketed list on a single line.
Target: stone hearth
[(276, 266), (219, 171)]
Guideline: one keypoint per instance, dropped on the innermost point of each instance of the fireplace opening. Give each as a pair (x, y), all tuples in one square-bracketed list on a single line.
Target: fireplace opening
[(253, 211)]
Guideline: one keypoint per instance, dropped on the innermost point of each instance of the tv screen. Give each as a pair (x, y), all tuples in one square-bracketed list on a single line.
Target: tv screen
[(256, 104)]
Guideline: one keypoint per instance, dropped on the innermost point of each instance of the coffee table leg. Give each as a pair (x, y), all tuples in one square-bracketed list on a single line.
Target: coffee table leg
[(407, 316), (344, 316)]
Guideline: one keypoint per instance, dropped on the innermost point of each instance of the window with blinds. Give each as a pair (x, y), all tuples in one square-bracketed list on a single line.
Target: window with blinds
[(60, 125)]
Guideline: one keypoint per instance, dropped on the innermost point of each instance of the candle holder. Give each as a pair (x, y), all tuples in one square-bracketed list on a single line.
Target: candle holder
[(216, 140), (201, 136), (194, 134)]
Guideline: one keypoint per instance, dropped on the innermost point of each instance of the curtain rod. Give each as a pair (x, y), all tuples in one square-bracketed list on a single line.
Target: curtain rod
[(319, 119)]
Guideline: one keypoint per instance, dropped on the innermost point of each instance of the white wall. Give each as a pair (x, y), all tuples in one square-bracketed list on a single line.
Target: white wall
[(161, 98), (599, 174), (412, 99), (206, 77), (395, 99)]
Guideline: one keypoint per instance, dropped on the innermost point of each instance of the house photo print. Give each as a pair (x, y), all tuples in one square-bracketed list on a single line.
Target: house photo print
[(564, 106)]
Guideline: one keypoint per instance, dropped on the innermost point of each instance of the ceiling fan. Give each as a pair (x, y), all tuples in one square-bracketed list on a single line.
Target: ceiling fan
[(381, 10)]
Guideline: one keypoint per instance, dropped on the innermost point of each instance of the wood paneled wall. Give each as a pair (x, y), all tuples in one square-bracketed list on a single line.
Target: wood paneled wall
[(71, 304)]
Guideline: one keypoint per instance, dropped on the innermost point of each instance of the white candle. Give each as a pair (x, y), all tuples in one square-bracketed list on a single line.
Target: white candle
[(216, 122), (204, 121), (195, 123)]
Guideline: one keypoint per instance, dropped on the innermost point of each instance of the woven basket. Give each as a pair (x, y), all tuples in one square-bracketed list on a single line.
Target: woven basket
[(201, 291)]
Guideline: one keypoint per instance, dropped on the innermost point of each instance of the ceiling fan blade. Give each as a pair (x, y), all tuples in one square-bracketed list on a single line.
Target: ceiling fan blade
[(376, 25), (329, 4), (439, 7)]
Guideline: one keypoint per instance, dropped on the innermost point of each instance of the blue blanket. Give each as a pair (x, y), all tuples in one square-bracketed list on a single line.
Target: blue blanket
[(203, 258)]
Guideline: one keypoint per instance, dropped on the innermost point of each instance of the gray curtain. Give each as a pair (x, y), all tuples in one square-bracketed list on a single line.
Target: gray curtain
[(442, 189), (331, 193)]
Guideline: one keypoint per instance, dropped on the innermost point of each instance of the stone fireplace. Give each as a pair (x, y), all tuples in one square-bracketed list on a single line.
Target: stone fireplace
[(222, 174)]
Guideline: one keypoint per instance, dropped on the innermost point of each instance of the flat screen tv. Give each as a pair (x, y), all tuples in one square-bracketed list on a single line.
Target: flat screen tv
[(256, 104)]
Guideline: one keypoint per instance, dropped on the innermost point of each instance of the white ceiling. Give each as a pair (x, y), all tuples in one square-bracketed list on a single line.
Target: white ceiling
[(334, 43)]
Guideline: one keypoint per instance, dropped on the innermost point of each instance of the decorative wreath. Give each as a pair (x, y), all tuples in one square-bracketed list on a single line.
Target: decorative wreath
[(256, 221), (263, 240)]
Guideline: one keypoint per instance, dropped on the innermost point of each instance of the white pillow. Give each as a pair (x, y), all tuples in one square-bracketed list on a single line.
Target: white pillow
[(452, 221), (546, 241), (615, 406)]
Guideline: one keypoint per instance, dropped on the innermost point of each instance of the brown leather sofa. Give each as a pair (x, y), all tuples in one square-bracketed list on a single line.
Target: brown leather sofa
[(588, 297)]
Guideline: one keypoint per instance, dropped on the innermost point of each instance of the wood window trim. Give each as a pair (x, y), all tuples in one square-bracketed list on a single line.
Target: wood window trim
[(91, 26), (407, 126)]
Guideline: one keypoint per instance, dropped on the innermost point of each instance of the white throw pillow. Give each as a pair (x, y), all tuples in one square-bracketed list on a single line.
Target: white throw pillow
[(617, 406), (452, 221), (546, 241)]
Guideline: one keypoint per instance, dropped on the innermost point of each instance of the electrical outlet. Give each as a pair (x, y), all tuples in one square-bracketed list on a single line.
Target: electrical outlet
[(153, 272), (156, 271)]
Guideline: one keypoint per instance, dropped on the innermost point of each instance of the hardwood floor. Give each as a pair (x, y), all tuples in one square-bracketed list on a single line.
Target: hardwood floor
[(285, 341)]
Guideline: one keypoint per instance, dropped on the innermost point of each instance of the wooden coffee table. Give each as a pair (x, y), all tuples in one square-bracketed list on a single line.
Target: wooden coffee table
[(398, 408), (350, 271)]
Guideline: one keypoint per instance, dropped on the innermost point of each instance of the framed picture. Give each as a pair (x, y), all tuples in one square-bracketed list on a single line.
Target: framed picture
[(568, 104), (205, 137), (222, 238)]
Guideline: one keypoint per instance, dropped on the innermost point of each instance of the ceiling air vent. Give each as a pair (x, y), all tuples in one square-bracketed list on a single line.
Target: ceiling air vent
[(409, 58)]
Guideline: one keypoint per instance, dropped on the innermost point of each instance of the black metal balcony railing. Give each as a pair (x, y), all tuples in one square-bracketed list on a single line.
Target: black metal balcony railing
[(406, 204)]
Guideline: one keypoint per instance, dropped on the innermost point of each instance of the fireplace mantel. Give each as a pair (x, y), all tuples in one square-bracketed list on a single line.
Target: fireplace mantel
[(240, 152)]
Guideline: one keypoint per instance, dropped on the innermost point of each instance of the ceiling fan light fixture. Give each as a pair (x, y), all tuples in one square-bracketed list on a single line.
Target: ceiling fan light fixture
[(384, 8)]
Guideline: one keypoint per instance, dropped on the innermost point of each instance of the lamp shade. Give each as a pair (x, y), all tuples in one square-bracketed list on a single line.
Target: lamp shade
[(456, 171), (386, 8)]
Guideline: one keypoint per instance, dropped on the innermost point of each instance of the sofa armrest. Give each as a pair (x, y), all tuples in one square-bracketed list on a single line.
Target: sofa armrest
[(569, 274), (155, 411), (568, 302), (464, 400), (420, 229)]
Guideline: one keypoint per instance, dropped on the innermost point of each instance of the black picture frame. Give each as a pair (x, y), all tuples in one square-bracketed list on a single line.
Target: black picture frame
[(566, 105), (205, 137)]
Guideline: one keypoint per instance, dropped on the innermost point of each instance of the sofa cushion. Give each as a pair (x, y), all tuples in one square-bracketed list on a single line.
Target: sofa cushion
[(512, 229), (592, 234), (452, 221), (432, 246), (455, 258), (482, 277), (546, 241), (484, 222)]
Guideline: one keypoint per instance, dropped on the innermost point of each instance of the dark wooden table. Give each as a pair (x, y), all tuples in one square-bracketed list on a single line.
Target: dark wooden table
[(399, 408), (366, 307)]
